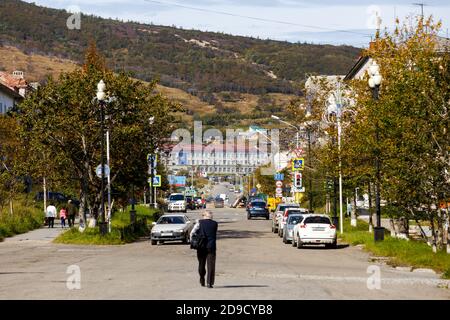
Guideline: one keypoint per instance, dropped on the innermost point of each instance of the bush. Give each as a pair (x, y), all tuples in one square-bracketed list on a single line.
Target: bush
[(401, 252), (22, 220)]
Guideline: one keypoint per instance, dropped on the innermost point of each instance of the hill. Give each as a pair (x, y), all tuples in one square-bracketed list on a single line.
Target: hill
[(192, 60)]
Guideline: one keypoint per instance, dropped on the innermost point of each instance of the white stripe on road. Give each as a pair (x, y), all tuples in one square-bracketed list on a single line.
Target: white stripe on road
[(410, 281)]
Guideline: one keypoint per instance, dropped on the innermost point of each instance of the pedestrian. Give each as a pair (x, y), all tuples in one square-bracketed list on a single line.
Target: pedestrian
[(50, 213), (71, 213), (63, 216), (206, 256)]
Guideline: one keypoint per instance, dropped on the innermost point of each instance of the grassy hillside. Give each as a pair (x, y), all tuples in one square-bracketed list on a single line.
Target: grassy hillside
[(38, 67), (198, 62)]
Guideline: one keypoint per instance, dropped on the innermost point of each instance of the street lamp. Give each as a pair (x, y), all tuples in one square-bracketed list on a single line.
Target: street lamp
[(101, 95), (334, 106), (375, 79)]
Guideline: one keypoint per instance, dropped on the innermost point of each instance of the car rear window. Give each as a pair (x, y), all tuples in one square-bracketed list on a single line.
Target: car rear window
[(258, 204), (320, 220), (295, 219), (282, 208)]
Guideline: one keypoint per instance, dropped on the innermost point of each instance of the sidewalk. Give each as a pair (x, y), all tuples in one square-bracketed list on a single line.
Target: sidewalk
[(43, 234)]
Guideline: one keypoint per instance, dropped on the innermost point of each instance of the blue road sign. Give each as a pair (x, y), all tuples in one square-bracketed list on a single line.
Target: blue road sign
[(279, 177)]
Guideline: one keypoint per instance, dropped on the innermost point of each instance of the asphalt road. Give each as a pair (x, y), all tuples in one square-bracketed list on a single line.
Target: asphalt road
[(252, 263)]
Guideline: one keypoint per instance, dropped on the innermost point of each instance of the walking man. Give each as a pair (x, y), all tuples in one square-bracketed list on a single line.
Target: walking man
[(50, 213), (72, 212), (206, 256)]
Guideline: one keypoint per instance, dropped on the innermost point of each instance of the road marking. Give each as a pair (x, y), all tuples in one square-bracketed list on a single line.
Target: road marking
[(410, 281)]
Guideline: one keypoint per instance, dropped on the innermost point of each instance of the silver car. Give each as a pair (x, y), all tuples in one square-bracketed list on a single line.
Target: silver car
[(171, 227), (288, 232)]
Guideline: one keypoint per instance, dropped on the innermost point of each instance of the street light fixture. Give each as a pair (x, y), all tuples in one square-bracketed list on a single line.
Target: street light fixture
[(375, 79), (334, 106), (101, 95)]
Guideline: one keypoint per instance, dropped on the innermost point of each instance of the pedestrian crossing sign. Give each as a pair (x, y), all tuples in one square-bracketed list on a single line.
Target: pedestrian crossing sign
[(298, 164), (156, 181)]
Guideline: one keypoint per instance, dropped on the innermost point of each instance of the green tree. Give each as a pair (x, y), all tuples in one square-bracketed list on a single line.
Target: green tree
[(60, 127)]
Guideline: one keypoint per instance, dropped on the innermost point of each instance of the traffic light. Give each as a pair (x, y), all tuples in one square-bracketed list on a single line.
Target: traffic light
[(298, 180)]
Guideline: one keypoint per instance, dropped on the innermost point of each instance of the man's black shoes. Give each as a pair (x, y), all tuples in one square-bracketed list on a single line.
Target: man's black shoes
[(210, 286), (202, 282)]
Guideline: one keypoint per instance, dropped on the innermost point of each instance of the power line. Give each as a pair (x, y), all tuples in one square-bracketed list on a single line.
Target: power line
[(253, 18)]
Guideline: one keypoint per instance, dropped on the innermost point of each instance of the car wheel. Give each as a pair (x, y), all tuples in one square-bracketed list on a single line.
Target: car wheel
[(154, 242), (185, 210), (249, 217), (186, 238), (299, 244), (293, 242), (267, 217), (284, 239)]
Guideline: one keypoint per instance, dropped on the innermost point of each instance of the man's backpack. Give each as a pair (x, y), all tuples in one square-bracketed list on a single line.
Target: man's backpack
[(199, 239)]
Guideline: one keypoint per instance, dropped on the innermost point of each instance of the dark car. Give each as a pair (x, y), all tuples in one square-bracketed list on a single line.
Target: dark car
[(190, 203), (219, 203), (257, 208)]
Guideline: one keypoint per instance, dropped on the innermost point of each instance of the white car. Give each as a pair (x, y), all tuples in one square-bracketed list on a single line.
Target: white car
[(171, 227), (315, 229), (279, 211), (177, 202), (287, 212)]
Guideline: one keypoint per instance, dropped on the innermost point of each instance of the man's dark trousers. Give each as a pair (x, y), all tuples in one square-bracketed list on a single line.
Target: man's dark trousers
[(207, 260)]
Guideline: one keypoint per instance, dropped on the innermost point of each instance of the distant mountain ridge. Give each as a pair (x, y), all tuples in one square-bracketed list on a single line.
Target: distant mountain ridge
[(200, 63)]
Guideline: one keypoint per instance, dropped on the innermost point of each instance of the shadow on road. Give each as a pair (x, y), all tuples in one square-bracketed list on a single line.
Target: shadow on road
[(242, 286), (312, 247), (240, 234)]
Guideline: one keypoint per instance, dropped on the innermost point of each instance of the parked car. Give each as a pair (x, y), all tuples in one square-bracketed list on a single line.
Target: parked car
[(219, 203), (177, 202), (315, 229), (283, 218), (279, 211), (171, 227), (258, 208), (292, 221)]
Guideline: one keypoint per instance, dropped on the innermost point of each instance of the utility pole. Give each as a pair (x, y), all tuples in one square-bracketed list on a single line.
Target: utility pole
[(421, 5)]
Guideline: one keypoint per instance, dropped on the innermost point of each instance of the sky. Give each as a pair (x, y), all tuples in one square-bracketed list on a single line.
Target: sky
[(338, 22)]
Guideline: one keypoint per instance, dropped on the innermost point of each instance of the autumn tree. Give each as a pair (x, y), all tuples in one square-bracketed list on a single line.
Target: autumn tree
[(60, 125)]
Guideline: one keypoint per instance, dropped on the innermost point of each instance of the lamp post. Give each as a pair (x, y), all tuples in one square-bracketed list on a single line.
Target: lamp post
[(335, 101), (374, 84), (101, 95)]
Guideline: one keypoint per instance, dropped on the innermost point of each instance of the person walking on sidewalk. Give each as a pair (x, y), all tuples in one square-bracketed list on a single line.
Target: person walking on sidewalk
[(63, 216), (206, 256), (71, 212), (50, 213)]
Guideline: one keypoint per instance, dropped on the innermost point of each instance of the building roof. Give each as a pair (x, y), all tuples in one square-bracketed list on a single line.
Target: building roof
[(362, 61), (11, 81), (11, 92)]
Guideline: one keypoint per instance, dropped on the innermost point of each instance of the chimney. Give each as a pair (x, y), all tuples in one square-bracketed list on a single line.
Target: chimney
[(17, 74)]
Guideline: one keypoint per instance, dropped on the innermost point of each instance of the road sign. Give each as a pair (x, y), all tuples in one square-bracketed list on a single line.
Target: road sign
[(279, 176), (298, 164), (152, 159), (279, 190), (156, 181), (98, 171), (279, 184)]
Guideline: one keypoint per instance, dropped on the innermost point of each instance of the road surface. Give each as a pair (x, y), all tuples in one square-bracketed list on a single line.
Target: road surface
[(252, 263)]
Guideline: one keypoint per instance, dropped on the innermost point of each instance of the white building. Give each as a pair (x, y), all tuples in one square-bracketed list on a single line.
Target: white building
[(8, 98), (218, 158)]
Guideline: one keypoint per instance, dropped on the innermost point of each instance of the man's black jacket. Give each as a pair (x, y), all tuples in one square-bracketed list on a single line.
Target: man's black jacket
[(209, 229)]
